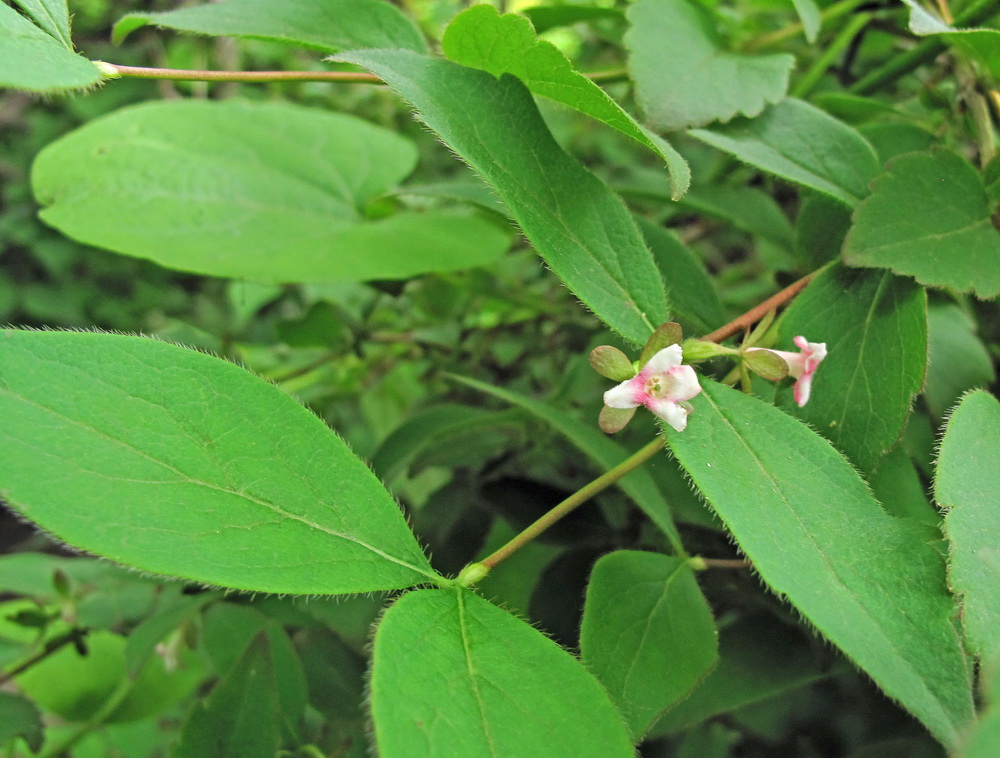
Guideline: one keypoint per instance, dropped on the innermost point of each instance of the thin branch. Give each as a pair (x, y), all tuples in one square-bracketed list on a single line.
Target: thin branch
[(192, 75), (758, 312), (576, 499)]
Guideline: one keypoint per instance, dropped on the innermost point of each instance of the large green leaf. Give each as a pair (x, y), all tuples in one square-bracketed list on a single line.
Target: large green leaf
[(330, 25), (966, 484), (266, 192), (684, 78), (254, 709), (870, 582), (874, 325), (52, 16), (759, 658), (481, 38), (691, 290), (647, 633), (579, 226), (32, 59), (800, 143), (453, 675), (179, 463), (929, 217)]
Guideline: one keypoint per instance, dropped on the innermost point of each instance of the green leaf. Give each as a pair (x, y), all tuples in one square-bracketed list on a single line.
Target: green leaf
[(331, 25), (579, 226), (31, 59), (809, 14), (647, 633), (958, 361), (682, 76), (248, 711), (690, 289), (480, 37), (638, 485), (982, 45), (871, 583), (929, 217), (508, 689), (746, 208), (897, 486), (20, 718), (544, 17), (966, 484), (179, 463), (820, 228), (800, 143), (266, 192), (894, 138), (874, 325), (758, 659), (52, 16)]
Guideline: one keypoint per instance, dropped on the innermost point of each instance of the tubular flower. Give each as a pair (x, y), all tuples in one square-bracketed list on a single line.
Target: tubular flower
[(802, 365), (662, 385)]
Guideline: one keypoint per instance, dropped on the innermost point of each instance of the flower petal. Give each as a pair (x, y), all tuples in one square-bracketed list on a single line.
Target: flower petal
[(628, 394), (663, 361), (671, 412), (802, 389), (683, 383)]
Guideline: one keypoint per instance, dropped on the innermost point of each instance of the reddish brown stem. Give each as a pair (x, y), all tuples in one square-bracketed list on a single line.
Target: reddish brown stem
[(758, 312)]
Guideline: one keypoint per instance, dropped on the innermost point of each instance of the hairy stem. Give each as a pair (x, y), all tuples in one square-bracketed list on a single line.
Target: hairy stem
[(192, 75), (115, 70), (579, 497)]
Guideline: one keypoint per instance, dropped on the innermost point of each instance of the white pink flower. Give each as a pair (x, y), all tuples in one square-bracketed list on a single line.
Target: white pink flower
[(801, 365), (663, 385)]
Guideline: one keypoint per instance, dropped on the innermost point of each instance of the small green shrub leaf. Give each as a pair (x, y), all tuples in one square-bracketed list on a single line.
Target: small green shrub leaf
[(647, 633), (33, 59), (577, 224), (874, 325), (909, 225), (255, 708), (759, 658), (182, 464), (480, 37), (966, 484), (982, 45), (330, 26), (683, 78), (52, 16), (802, 144), (19, 717), (510, 690), (870, 582), (264, 192)]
